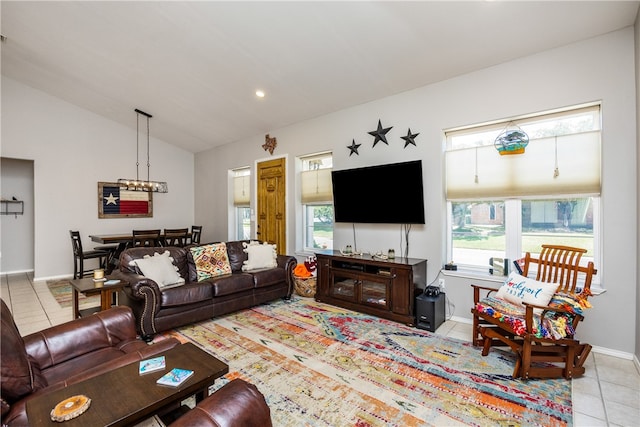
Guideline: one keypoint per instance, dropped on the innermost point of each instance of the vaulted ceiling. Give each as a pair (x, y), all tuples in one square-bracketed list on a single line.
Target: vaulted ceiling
[(195, 66)]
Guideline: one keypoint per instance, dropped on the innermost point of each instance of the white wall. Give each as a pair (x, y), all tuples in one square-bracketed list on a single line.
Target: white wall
[(597, 69), (72, 150), (637, 55), (16, 231)]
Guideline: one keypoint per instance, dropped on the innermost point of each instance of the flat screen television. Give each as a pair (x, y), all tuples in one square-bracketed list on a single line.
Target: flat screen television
[(384, 194)]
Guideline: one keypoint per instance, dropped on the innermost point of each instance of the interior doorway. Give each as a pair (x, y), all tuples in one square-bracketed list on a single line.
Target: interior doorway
[(17, 230), (271, 218)]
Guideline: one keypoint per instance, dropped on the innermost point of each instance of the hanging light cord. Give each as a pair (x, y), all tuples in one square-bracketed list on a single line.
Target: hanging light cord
[(476, 176), (148, 163), (556, 171), (137, 146)]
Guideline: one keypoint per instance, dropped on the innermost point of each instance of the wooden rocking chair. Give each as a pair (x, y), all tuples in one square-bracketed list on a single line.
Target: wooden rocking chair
[(561, 357)]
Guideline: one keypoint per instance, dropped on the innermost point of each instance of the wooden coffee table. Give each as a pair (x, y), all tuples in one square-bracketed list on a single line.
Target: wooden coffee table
[(123, 397), (89, 287)]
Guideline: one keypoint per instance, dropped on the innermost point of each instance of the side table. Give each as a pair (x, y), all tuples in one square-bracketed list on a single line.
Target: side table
[(89, 287)]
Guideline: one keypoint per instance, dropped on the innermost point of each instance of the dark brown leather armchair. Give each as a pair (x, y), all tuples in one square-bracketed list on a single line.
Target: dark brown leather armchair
[(65, 354), (236, 404)]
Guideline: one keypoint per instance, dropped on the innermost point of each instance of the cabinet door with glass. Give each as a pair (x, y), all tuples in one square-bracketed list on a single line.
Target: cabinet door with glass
[(375, 292), (344, 285)]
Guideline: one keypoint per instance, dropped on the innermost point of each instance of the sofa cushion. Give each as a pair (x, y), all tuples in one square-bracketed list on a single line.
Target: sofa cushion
[(236, 282), (518, 289), (269, 277), (260, 256), (20, 374), (211, 260), (187, 294), (160, 269)]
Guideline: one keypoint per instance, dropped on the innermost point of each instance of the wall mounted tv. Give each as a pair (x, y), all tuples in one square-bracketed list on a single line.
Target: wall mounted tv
[(384, 194)]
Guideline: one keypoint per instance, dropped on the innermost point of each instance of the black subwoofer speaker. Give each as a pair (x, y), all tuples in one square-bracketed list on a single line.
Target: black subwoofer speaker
[(430, 311)]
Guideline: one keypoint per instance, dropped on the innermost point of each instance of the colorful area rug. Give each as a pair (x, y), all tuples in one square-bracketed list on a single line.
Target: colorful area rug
[(61, 291), (320, 365)]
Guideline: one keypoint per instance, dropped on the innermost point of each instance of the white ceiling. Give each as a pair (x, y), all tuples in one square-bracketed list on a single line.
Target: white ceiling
[(195, 66)]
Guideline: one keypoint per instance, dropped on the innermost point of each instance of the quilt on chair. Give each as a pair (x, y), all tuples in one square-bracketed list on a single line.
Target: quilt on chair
[(554, 325)]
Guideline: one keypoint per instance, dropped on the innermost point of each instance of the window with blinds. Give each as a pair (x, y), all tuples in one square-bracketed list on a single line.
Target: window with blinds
[(501, 206), (241, 203), (316, 198)]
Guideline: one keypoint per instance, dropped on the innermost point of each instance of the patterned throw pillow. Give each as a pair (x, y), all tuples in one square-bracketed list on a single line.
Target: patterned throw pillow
[(517, 289), (211, 260)]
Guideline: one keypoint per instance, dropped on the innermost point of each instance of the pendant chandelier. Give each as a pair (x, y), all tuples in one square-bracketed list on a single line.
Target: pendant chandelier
[(138, 184)]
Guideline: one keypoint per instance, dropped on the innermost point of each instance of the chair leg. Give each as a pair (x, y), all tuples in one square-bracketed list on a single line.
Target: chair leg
[(581, 354), (75, 268), (486, 345)]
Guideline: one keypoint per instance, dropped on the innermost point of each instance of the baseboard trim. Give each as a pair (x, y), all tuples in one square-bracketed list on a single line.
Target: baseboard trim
[(43, 279), (16, 272)]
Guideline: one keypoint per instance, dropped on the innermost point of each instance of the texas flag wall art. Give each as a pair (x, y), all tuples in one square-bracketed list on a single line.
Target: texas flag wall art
[(117, 201)]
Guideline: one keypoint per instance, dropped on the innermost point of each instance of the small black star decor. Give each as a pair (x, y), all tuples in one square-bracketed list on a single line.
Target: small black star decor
[(410, 138), (353, 148), (380, 134)]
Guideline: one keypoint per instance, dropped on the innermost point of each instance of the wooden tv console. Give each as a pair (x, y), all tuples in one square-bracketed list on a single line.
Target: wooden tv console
[(383, 288)]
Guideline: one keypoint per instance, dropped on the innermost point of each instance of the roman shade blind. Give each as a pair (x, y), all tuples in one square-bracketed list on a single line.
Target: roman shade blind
[(566, 164), (316, 186), (241, 189)]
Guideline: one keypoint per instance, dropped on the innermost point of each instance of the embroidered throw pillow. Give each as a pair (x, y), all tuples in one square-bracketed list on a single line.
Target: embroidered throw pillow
[(160, 269), (260, 256), (518, 289), (211, 260)]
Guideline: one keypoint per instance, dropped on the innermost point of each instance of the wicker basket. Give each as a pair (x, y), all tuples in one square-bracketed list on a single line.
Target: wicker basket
[(305, 287)]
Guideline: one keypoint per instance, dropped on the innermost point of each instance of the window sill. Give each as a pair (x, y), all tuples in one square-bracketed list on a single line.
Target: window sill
[(477, 274)]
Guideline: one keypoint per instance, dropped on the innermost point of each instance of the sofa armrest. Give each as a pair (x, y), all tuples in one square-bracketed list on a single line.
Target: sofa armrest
[(66, 341), (236, 404), (288, 262)]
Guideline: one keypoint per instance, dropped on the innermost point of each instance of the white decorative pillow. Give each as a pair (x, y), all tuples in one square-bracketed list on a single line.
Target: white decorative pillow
[(160, 269), (260, 256), (518, 289)]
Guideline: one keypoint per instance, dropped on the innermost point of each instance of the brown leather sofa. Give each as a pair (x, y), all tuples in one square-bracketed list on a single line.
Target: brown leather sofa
[(159, 310), (236, 404), (65, 354)]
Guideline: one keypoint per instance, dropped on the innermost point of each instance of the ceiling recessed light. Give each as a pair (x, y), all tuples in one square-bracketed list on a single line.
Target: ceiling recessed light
[(260, 94)]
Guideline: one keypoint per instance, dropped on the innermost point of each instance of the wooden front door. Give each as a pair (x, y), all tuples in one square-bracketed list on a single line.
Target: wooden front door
[(271, 203)]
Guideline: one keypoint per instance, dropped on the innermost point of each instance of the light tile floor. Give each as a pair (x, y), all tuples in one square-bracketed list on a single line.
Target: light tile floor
[(607, 395)]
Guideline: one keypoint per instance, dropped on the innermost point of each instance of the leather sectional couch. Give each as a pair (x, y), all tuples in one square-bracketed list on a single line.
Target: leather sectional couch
[(65, 354), (160, 309), (83, 348)]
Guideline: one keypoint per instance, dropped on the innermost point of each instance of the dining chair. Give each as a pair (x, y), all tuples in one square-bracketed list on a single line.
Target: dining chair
[(175, 237), (79, 256), (146, 238), (196, 232)]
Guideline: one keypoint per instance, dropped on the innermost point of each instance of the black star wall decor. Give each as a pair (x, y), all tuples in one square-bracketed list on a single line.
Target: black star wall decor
[(410, 138), (380, 134), (354, 148)]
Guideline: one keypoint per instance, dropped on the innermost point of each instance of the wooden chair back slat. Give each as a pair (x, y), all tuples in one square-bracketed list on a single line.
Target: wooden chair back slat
[(561, 265)]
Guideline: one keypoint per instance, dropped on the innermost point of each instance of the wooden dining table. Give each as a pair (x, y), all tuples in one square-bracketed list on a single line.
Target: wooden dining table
[(123, 240)]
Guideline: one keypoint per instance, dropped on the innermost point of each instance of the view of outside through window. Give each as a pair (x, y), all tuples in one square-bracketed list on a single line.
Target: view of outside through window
[(243, 220), (478, 228), (319, 220), (318, 215)]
